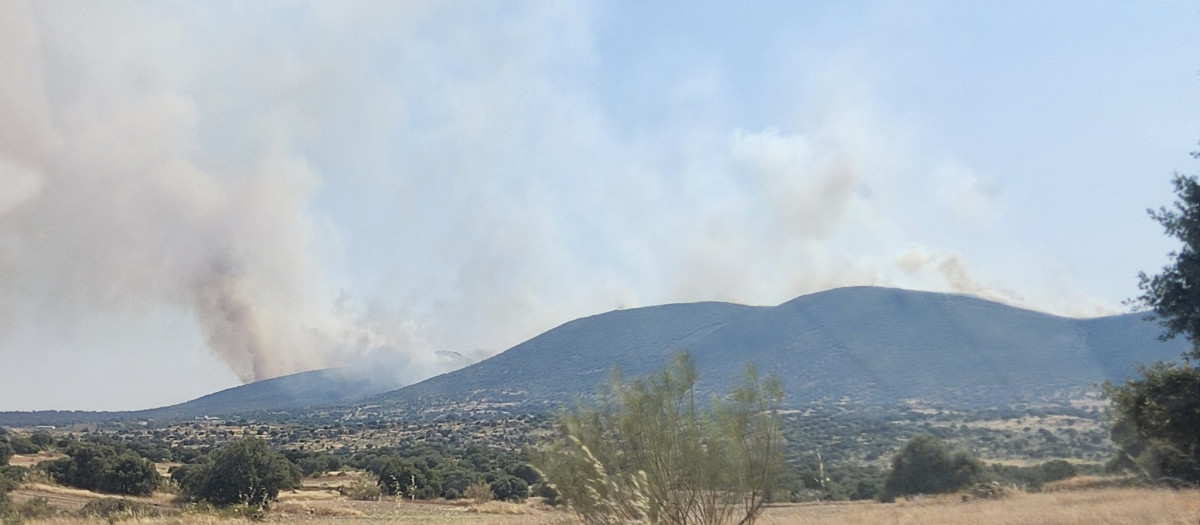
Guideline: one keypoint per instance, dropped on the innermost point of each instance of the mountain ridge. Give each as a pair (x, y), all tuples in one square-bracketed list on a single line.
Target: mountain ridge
[(867, 344)]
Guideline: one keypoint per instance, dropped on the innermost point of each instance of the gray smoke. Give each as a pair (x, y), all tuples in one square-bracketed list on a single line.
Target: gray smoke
[(345, 189)]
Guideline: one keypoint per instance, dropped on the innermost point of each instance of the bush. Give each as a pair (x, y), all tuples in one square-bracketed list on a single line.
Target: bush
[(112, 509), (243, 472), (6, 452), (22, 444), (648, 452), (510, 488), (406, 477), (1156, 422), (8, 511), (927, 466), (42, 439), (363, 488), (99, 467), (36, 509), (479, 493)]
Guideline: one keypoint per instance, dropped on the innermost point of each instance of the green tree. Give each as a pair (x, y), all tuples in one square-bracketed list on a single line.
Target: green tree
[(406, 477), (1156, 417), (128, 474), (927, 466), (102, 468), (649, 452), (6, 452), (1174, 294), (510, 488), (243, 472), (1156, 422)]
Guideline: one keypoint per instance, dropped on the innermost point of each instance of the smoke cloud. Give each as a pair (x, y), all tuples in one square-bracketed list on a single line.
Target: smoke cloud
[(401, 190)]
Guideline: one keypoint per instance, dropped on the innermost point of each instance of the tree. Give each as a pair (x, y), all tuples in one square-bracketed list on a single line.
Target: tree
[(243, 472), (406, 477), (1156, 418), (102, 468), (510, 488), (129, 474), (648, 452), (1156, 423), (927, 466), (1174, 294)]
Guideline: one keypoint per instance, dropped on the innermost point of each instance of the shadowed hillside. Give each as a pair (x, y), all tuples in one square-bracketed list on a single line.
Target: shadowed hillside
[(863, 344), (868, 344), (314, 388)]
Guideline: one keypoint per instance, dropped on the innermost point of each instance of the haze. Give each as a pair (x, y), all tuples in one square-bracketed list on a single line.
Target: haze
[(194, 195)]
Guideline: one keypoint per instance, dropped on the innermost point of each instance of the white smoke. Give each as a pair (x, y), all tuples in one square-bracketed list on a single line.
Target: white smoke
[(410, 185)]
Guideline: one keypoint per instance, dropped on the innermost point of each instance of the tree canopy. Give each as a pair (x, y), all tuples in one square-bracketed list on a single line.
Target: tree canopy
[(926, 465), (1156, 417), (243, 472), (1174, 293)]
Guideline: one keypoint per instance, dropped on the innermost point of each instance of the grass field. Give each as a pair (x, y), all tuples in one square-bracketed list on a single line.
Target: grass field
[(1123, 506)]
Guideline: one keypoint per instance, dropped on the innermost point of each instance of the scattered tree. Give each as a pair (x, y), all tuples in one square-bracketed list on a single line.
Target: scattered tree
[(927, 466), (103, 468), (510, 488), (243, 472), (650, 452)]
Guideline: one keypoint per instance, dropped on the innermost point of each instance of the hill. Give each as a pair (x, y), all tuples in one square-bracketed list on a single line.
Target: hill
[(862, 344), (305, 389)]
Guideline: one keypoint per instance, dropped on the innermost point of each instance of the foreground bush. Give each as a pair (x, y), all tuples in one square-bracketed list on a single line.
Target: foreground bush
[(1156, 423), (244, 472), (927, 466), (651, 453)]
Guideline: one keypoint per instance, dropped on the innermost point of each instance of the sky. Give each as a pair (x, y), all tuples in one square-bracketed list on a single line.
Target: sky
[(194, 195)]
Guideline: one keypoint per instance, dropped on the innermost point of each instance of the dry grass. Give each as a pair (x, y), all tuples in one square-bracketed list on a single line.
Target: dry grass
[(1074, 504), (1105, 506), (31, 460)]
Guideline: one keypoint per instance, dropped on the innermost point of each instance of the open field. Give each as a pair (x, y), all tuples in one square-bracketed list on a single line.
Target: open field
[(1124, 506)]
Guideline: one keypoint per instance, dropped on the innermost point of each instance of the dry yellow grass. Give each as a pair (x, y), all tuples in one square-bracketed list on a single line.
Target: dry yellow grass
[(1106, 506), (1124, 506)]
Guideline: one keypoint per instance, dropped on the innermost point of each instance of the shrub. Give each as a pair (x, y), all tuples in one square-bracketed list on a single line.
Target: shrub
[(927, 466), (363, 488), (1156, 422), (510, 488), (37, 508), (6, 452), (406, 477), (648, 452), (112, 509), (479, 493), (243, 472), (22, 444), (8, 512)]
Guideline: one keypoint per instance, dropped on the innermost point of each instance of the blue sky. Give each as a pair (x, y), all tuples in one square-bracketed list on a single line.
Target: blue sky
[(199, 194)]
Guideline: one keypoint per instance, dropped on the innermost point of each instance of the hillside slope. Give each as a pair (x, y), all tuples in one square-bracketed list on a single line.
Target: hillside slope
[(867, 344)]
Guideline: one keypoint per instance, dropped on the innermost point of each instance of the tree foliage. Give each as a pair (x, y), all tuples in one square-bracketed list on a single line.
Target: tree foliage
[(1174, 294), (926, 465), (1156, 418), (1156, 422), (649, 452), (243, 472), (104, 468)]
